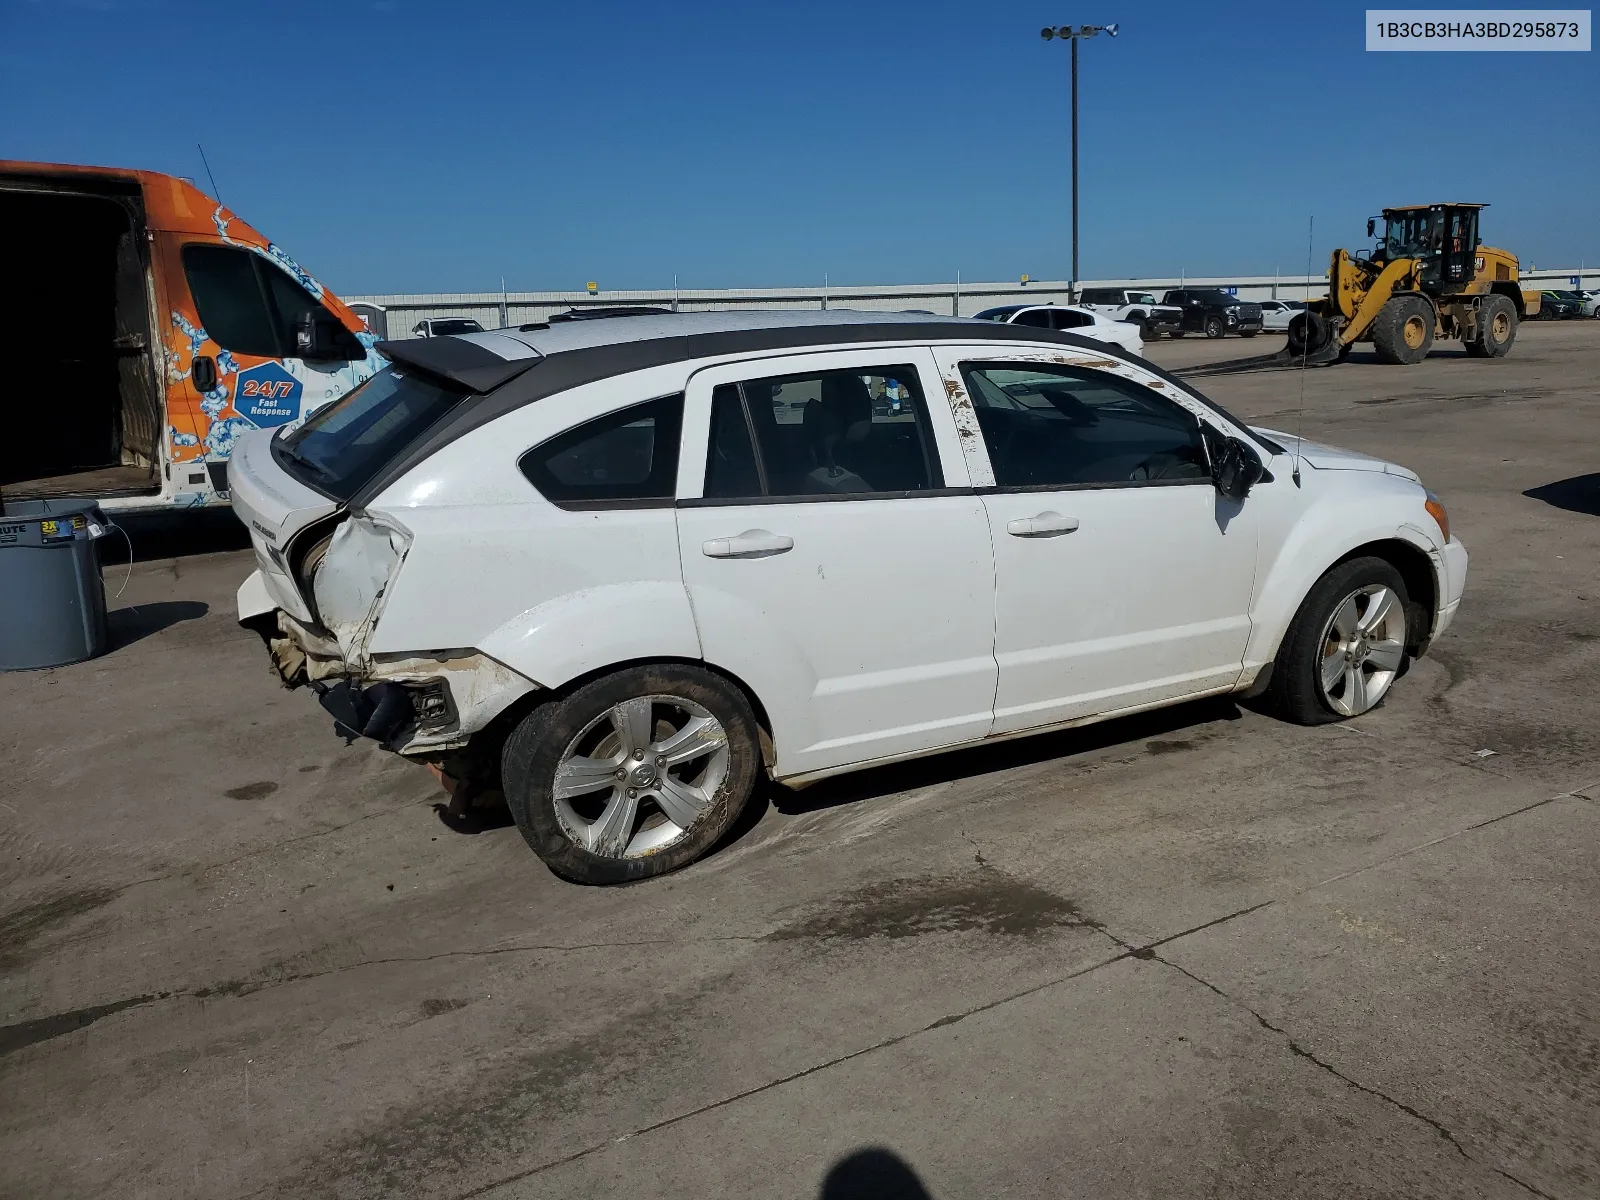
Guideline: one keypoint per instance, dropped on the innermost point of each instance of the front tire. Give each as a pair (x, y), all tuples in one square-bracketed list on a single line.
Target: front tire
[(1215, 328), (1345, 647), (634, 774), (1402, 332)]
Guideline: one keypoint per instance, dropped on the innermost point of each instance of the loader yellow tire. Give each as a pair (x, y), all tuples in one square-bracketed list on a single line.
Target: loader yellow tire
[(1403, 330)]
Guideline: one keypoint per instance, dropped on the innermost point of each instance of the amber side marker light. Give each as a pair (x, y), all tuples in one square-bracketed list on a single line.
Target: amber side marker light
[(1437, 512)]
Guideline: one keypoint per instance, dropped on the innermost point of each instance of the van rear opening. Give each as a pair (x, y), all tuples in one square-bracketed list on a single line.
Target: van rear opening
[(80, 403)]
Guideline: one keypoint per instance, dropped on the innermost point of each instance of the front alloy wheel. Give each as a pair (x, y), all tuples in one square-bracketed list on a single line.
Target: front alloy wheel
[(1363, 646), (1346, 646)]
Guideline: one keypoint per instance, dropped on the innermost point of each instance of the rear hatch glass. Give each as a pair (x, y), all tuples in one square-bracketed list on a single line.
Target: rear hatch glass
[(341, 448)]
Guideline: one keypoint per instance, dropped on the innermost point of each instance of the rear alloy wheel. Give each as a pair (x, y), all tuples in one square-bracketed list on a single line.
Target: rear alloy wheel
[(1497, 329), (1215, 328), (1346, 646), (1402, 333), (635, 774)]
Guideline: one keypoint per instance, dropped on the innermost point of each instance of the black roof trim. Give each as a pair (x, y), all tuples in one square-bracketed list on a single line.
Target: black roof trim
[(573, 368), (464, 363)]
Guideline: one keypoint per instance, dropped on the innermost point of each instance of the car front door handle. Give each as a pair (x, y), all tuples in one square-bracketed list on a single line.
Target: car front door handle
[(1046, 524), (752, 543)]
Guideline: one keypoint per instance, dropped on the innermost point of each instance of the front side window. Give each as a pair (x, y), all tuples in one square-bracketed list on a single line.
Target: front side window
[(821, 433), (1141, 298), (1039, 318), (249, 306), (629, 456), (1048, 426), (339, 449)]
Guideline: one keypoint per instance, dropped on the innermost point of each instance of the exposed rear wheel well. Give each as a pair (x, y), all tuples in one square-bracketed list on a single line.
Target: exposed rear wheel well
[(1422, 586), (479, 760)]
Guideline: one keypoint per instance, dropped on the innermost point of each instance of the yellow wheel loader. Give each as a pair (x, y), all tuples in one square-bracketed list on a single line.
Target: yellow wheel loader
[(1428, 277)]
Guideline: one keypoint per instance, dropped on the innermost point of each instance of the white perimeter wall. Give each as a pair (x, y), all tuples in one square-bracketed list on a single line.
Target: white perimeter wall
[(494, 309)]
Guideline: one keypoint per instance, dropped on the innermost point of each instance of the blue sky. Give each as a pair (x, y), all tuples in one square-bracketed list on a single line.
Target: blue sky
[(393, 145)]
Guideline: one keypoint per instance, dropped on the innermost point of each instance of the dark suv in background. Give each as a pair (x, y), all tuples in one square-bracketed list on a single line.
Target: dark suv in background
[(1214, 313)]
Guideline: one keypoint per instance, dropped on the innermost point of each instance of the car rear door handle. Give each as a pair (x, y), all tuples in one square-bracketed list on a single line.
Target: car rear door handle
[(1046, 524), (752, 543)]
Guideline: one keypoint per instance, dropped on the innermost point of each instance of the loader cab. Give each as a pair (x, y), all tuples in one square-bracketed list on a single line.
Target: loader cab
[(1443, 238)]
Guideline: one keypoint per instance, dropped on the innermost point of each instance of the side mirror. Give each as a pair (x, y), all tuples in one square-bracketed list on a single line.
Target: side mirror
[(319, 337), (1372, 226), (1236, 469)]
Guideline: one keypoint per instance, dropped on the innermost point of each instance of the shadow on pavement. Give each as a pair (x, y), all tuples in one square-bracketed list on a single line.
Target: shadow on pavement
[(1000, 756), (1580, 494), (127, 625), (872, 1174), (174, 535)]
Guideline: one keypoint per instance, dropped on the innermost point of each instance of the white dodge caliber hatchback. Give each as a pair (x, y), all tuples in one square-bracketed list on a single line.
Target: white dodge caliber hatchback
[(620, 567)]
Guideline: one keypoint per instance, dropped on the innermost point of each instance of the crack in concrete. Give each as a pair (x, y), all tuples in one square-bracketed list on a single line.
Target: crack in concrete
[(1128, 951), (1300, 1051)]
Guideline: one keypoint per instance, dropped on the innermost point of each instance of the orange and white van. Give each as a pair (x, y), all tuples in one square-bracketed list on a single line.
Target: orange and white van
[(146, 327)]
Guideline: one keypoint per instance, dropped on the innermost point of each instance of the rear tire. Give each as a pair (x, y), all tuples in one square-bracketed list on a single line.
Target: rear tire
[(669, 805), (1402, 333), (1178, 333), (1497, 329), (1314, 647), (1248, 332)]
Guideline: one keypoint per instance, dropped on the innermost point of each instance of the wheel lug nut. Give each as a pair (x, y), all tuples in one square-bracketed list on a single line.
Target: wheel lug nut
[(633, 793), (621, 774)]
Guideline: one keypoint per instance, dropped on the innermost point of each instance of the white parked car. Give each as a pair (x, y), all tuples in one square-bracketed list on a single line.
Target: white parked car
[(1069, 317), (1276, 314), (1130, 304), (445, 327), (620, 568)]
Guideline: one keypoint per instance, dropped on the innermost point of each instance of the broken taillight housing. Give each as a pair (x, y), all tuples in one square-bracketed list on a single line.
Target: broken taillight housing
[(432, 703)]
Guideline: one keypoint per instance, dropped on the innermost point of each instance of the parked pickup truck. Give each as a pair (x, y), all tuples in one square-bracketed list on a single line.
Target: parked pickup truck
[(1214, 312), (1140, 308)]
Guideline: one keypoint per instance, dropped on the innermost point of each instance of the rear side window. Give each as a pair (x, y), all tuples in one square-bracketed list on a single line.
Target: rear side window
[(344, 445), (249, 306), (825, 433), (625, 457), (1065, 318)]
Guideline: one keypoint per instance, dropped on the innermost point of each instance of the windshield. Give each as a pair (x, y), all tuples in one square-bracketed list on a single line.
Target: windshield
[(1412, 234), (998, 314), (1215, 297), (343, 446)]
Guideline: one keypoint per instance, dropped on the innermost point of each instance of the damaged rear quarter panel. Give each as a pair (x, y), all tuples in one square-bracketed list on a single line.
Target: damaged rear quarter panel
[(550, 592)]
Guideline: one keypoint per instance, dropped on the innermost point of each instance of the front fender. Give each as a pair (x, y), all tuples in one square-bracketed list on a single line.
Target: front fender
[(572, 635), (1320, 539)]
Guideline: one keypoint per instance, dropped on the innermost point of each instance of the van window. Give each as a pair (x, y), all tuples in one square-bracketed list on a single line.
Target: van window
[(339, 449), (626, 456), (246, 304)]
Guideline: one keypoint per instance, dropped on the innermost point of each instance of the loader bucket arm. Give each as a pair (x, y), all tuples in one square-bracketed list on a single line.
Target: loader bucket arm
[(1358, 300)]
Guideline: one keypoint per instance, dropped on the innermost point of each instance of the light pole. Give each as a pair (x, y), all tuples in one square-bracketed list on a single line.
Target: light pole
[(1074, 34)]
